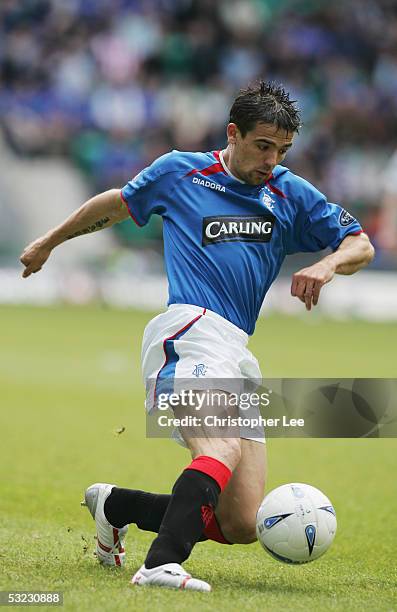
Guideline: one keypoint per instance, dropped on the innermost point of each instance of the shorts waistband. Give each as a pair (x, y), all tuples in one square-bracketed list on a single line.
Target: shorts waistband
[(212, 315)]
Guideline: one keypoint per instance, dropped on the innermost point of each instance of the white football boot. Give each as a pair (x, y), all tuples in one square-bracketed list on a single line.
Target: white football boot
[(171, 575), (110, 540)]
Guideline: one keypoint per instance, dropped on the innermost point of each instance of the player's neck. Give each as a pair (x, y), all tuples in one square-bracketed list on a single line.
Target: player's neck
[(224, 157)]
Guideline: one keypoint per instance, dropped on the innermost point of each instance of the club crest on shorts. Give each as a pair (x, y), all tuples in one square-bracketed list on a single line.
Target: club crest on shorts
[(199, 370), (345, 218)]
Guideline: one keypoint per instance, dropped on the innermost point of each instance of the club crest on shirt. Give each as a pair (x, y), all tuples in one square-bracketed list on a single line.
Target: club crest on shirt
[(239, 228), (268, 201), (345, 218)]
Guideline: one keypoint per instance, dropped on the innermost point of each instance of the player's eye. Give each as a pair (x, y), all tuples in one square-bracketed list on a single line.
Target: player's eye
[(262, 147)]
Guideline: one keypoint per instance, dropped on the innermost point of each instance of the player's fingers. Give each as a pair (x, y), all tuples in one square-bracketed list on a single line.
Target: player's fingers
[(31, 269), (298, 286), (24, 259), (300, 292), (316, 292), (27, 252), (294, 285), (308, 294)]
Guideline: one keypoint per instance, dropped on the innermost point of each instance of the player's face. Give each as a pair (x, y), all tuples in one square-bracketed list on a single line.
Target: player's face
[(252, 158)]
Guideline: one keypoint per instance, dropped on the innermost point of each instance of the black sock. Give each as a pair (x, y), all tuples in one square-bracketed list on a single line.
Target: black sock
[(146, 510), (194, 495), (125, 506)]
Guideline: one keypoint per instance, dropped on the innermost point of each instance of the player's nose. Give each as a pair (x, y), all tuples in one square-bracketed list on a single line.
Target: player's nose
[(271, 160)]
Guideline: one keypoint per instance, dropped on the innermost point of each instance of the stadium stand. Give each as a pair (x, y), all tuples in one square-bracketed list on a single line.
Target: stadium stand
[(113, 85), (109, 86)]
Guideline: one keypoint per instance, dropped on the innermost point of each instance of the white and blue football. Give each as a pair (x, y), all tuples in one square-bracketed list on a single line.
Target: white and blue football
[(296, 523)]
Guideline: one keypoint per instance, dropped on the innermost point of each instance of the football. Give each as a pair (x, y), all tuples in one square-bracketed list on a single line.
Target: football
[(296, 523)]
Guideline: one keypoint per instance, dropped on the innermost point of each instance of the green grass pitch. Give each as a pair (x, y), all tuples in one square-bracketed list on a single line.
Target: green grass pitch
[(70, 377)]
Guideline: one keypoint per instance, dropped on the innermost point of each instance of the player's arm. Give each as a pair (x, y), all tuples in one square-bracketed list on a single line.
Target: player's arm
[(101, 211), (354, 253)]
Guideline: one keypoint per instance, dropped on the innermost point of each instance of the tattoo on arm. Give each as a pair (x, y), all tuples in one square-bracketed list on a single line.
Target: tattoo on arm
[(98, 225)]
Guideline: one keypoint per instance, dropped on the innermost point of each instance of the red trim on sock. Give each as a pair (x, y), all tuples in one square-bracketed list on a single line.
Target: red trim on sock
[(212, 467), (213, 532)]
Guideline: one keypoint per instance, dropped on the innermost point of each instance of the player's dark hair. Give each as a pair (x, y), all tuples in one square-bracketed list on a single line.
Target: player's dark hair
[(266, 103)]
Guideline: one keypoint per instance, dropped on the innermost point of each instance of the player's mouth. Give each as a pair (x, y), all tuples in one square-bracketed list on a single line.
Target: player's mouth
[(264, 175)]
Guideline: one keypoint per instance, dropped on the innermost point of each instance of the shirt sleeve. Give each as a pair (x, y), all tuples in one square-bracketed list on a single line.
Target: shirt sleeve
[(321, 224), (144, 194)]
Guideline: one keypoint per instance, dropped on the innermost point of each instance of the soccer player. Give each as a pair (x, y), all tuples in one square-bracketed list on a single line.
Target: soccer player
[(229, 219)]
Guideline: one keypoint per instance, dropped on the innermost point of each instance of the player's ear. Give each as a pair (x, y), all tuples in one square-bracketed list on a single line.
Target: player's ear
[(231, 132)]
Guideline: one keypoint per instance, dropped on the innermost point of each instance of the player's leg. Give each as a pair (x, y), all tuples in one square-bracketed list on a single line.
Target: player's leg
[(206, 478), (236, 508), (114, 508), (194, 498), (196, 493), (193, 501), (241, 498)]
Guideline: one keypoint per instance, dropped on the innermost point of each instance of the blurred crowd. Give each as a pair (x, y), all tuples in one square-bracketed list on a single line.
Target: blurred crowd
[(112, 84)]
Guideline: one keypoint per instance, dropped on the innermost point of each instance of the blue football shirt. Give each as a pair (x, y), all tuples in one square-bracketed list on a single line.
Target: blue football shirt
[(225, 240)]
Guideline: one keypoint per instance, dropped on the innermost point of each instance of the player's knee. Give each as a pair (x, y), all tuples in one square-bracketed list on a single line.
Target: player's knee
[(242, 537), (240, 530)]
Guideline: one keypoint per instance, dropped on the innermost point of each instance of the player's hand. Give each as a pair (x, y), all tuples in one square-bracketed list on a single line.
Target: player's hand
[(307, 283), (34, 256)]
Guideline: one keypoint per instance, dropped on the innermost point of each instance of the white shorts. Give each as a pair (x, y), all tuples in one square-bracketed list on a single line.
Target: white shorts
[(190, 347)]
